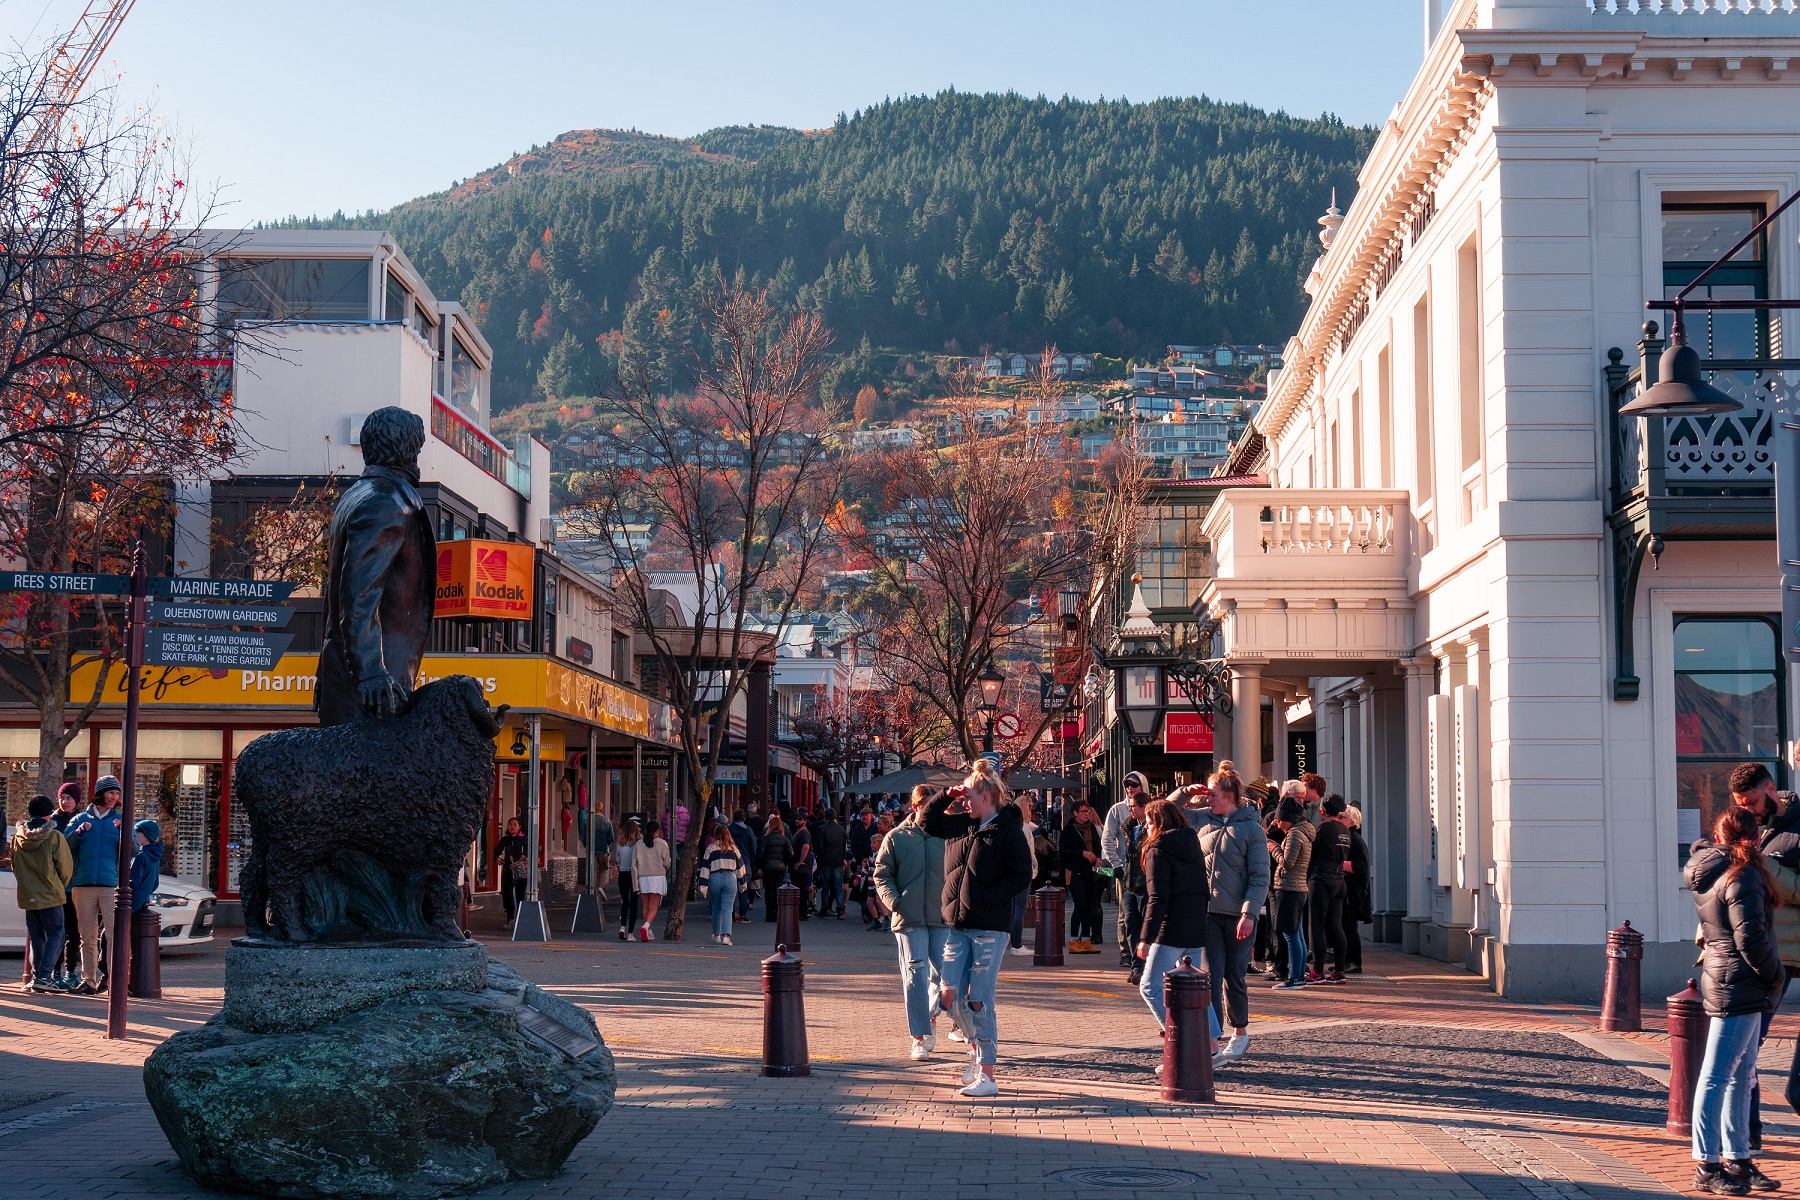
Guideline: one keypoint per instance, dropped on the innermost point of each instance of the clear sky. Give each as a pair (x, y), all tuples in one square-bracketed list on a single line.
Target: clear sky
[(358, 104)]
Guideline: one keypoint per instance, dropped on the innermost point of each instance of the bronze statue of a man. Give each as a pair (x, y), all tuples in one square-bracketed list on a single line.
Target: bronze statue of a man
[(380, 580)]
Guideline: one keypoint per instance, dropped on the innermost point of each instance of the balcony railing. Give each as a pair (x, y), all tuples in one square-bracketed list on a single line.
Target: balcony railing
[(1729, 455), (481, 448), (1310, 534)]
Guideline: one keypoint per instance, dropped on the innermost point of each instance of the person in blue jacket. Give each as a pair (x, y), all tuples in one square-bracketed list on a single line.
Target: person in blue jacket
[(94, 837), (146, 864)]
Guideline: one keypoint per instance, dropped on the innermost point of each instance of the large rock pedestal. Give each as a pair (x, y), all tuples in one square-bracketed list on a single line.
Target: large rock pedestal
[(463, 1077)]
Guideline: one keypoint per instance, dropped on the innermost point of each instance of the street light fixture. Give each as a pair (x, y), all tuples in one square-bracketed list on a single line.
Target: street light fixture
[(991, 682)]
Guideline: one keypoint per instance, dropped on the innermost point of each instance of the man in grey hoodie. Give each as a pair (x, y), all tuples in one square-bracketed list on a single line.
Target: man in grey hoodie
[(1237, 877)]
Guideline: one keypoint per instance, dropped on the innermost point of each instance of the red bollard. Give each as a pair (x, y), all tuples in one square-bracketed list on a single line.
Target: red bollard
[(784, 1016), (1187, 1037), (1688, 1024), (788, 900), (1621, 1005), (146, 955), (1047, 942)]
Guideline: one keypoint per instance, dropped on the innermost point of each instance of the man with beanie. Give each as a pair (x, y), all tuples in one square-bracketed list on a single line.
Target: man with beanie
[(1325, 886), (1114, 834), (94, 837), (42, 867), (146, 864)]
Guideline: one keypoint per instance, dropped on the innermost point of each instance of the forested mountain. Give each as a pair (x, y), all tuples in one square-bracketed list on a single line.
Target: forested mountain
[(928, 224)]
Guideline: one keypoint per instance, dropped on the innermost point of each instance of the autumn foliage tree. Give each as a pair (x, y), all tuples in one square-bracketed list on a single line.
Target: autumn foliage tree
[(112, 376), (735, 481), (998, 523)]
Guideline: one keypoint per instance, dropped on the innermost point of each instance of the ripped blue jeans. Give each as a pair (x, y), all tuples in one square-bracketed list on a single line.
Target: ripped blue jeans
[(921, 970), (971, 968)]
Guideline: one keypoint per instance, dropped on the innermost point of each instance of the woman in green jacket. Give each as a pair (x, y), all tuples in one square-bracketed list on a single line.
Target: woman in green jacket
[(42, 868)]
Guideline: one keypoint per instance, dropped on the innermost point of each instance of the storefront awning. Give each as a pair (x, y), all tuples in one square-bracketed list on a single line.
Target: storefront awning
[(529, 683)]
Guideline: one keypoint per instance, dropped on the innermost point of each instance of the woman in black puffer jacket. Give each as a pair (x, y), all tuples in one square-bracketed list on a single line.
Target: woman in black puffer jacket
[(1175, 903), (1741, 979), (987, 862)]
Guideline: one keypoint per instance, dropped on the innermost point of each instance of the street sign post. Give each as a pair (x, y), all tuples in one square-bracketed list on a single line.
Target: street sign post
[(238, 650), (243, 591), (182, 612), (64, 585)]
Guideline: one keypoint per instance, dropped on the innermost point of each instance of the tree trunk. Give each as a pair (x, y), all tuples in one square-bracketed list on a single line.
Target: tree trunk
[(690, 861), (53, 707)]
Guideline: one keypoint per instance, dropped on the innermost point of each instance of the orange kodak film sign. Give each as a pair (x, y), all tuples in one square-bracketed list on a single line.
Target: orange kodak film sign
[(484, 579)]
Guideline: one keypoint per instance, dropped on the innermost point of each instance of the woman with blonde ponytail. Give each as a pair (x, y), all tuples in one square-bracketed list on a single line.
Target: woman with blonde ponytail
[(987, 862)]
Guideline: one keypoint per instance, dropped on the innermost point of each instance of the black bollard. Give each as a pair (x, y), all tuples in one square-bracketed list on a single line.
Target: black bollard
[(788, 900), (1047, 944), (1688, 1025), (784, 1016), (146, 955), (1621, 1005), (1187, 1038)]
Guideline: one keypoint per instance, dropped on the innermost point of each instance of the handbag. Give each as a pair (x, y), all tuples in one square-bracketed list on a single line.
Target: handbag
[(518, 869)]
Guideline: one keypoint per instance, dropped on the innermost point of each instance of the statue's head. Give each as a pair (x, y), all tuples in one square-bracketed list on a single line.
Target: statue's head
[(393, 437)]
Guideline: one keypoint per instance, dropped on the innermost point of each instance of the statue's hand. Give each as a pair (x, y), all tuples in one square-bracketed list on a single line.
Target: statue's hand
[(382, 695)]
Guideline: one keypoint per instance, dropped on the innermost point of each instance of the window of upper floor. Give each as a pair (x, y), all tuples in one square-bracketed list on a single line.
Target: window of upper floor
[(294, 289), (1694, 235), (465, 380)]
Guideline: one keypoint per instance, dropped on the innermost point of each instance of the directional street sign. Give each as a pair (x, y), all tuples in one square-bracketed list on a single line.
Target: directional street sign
[(66, 585), (182, 612), (182, 647), (243, 591)]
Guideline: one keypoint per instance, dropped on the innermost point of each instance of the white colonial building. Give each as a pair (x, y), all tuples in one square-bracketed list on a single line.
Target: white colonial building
[(1528, 635)]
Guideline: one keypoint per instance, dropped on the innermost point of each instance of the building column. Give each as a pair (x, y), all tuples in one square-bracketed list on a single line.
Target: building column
[(1246, 718), (1418, 674), (1348, 782), (756, 739), (1278, 741)]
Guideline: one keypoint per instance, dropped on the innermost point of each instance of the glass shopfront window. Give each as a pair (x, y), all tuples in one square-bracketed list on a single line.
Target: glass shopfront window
[(1730, 708)]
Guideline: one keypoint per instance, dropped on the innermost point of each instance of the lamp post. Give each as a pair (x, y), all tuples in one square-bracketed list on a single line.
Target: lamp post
[(991, 681)]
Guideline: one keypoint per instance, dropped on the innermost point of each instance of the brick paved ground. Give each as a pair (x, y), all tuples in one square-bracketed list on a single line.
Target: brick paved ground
[(1479, 1112)]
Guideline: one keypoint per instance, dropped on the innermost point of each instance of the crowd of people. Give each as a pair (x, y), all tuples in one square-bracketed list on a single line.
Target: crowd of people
[(65, 865)]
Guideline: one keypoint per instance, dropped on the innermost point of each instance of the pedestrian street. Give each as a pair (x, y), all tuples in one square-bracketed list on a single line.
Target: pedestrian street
[(1412, 1080)]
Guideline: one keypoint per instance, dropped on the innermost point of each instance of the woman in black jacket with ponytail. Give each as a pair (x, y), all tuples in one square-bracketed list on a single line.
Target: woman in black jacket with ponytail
[(1741, 978)]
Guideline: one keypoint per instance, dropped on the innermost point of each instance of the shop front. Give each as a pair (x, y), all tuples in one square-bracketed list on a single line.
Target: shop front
[(195, 723)]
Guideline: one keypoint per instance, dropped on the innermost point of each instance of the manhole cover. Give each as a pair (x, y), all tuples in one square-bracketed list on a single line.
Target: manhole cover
[(1126, 1178)]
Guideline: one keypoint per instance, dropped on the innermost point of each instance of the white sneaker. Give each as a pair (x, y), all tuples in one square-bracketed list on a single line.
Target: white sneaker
[(920, 1051), (1220, 1059), (972, 1072), (956, 1035), (1020, 952), (984, 1085), (1237, 1046), (929, 1041)]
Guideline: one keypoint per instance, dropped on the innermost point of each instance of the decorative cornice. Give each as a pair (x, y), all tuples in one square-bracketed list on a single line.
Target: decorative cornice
[(1469, 63), (1367, 238)]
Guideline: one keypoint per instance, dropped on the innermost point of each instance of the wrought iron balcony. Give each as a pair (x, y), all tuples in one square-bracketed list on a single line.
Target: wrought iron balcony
[(1706, 475), (1688, 477)]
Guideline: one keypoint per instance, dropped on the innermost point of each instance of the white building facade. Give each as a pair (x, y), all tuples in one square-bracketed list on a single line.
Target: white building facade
[(1530, 637)]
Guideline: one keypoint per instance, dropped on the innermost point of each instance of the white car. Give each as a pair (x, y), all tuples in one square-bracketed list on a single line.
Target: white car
[(186, 910)]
